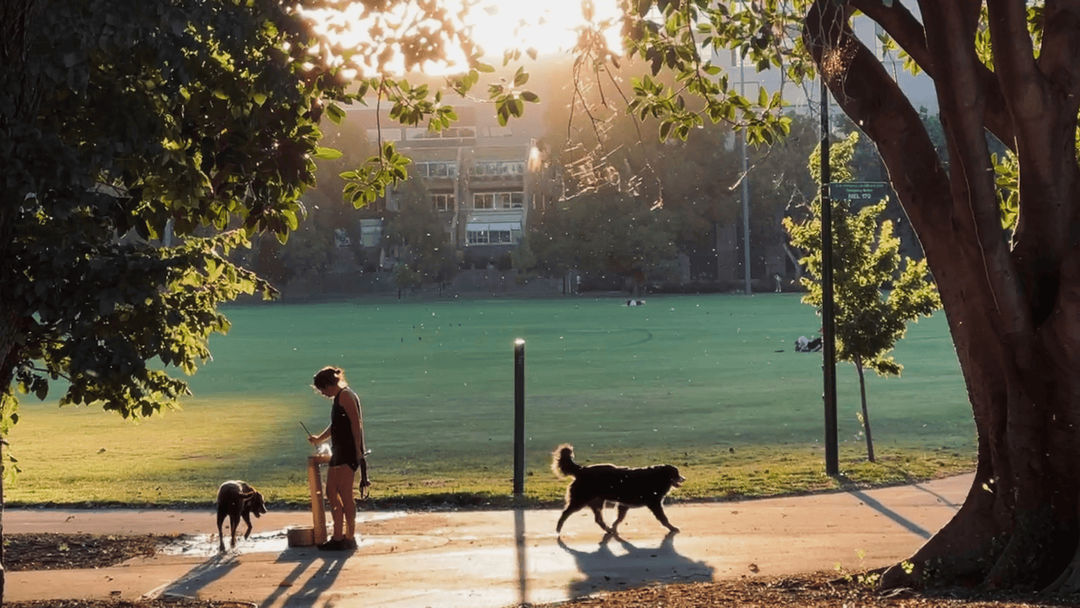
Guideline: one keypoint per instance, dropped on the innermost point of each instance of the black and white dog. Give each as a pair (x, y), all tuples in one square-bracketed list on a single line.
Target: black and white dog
[(237, 499)]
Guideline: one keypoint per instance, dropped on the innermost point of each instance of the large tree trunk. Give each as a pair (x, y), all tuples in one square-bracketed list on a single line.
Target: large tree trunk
[(1013, 311), (9, 326), (15, 15)]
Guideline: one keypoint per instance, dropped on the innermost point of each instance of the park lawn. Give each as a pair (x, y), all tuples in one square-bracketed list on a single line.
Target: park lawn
[(710, 383)]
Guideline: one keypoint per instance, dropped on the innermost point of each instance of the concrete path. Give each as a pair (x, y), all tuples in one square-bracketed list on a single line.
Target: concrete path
[(496, 558)]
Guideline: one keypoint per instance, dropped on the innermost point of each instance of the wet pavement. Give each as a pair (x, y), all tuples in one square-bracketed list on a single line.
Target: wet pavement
[(494, 558)]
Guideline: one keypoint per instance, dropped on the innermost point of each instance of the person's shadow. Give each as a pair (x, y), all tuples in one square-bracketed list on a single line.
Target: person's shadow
[(315, 583), (312, 583), (606, 570)]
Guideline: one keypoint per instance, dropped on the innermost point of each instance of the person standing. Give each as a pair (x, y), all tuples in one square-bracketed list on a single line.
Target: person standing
[(346, 436)]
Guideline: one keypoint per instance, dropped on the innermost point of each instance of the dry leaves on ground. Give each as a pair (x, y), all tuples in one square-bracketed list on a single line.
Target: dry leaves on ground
[(819, 590), (64, 551)]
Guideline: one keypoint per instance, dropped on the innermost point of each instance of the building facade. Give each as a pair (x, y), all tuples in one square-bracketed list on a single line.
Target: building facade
[(480, 177)]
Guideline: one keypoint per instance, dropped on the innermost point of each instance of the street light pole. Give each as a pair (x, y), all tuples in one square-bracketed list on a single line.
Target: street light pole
[(828, 343), (519, 418), (745, 193)]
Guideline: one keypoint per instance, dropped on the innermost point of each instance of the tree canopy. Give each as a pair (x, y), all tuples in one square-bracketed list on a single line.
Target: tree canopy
[(126, 125)]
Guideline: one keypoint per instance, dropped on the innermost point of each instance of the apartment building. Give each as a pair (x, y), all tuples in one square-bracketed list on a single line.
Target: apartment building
[(477, 174)]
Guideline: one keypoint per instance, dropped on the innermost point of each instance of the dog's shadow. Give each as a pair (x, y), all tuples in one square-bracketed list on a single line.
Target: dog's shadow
[(606, 570)]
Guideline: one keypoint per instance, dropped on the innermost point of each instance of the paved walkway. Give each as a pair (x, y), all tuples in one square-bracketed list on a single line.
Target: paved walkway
[(496, 558)]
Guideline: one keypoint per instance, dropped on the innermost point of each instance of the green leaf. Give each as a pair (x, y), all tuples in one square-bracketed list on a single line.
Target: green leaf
[(520, 77), (327, 153), (335, 113), (665, 130)]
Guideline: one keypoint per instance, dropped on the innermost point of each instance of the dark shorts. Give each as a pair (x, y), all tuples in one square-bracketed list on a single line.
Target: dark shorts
[(336, 460)]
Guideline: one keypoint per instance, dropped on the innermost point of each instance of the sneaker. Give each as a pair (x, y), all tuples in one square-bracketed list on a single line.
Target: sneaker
[(348, 544), (333, 545)]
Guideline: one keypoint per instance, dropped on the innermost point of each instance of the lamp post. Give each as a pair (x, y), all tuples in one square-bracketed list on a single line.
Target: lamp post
[(745, 193), (519, 418), (828, 344)]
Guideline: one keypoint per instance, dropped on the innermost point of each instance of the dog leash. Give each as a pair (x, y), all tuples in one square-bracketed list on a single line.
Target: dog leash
[(365, 483)]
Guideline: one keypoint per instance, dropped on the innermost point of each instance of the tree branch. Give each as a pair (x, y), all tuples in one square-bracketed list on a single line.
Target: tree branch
[(1014, 55), (1045, 124), (905, 29), (950, 30), (871, 97), (1060, 49)]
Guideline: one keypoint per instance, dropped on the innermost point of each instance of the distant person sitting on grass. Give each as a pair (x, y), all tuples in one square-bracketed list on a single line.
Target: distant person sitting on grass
[(346, 435)]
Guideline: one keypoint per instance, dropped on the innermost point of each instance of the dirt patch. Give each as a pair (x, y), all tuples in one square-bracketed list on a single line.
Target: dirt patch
[(66, 551), (159, 603), (821, 590)]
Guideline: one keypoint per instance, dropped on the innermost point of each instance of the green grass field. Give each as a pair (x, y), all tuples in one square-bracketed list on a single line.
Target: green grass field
[(709, 382)]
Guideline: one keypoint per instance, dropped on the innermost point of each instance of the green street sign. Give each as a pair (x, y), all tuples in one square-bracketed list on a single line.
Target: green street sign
[(859, 191)]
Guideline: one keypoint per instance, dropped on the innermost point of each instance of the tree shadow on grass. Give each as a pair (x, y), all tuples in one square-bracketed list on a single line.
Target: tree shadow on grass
[(634, 566)]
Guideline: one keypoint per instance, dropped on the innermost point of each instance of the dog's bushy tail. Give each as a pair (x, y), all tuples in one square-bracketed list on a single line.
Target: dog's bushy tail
[(562, 461)]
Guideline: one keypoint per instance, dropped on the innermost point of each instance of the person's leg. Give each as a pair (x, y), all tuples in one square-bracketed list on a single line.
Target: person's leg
[(338, 481), (348, 503)]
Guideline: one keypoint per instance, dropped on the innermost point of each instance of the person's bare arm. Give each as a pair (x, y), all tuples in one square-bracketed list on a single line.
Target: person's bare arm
[(320, 438)]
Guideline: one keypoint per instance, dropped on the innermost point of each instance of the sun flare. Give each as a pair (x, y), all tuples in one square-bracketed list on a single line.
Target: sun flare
[(496, 26), (548, 27)]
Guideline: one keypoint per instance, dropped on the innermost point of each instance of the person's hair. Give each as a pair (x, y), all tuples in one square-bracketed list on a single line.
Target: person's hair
[(328, 376)]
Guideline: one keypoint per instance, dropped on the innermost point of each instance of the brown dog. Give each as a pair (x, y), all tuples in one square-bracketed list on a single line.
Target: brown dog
[(237, 499), (599, 483)]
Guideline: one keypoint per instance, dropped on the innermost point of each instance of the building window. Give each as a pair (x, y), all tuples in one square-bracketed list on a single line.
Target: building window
[(384, 134), (443, 202), (489, 237), (499, 167), (450, 133), (503, 233), (513, 200), (436, 169), (498, 200)]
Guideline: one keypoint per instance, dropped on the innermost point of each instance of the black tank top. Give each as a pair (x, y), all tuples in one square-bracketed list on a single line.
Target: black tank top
[(342, 442)]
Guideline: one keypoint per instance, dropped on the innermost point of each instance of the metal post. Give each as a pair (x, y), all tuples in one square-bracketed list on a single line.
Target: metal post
[(828, 344), (519, 418), (745, 194)]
